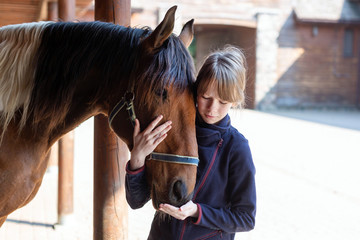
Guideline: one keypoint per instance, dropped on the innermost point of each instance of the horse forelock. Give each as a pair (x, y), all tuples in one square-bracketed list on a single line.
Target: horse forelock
[(18, 46), (171, 65)]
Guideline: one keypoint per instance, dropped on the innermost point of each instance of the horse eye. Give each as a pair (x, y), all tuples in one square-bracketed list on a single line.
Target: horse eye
[(162, 93)]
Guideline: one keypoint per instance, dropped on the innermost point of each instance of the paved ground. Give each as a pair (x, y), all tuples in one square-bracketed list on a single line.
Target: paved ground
[(307, 182)]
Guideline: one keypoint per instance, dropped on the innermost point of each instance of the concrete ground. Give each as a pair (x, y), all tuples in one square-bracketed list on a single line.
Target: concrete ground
[(307, 162)]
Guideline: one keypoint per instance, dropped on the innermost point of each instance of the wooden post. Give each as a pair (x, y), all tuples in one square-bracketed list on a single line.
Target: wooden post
[(115, 11), (66, 178), (52, 11), (110, 153), (66, 9)]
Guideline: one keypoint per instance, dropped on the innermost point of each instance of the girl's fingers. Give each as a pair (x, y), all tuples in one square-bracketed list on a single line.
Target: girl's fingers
[(160, 139), (173, 211), (136, 128), (162, 135), (169, 208), (150, 138), (190, 209), (163, 128), (153, 124)]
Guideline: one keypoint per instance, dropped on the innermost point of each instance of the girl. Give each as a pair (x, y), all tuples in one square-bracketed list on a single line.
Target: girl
[(224, 200)]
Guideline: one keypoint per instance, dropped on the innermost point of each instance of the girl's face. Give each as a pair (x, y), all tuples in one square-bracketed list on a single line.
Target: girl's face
[(210, 107)]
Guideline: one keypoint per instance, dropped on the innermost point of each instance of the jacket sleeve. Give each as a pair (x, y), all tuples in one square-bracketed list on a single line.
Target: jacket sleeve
[(136, 187), (239, 216)]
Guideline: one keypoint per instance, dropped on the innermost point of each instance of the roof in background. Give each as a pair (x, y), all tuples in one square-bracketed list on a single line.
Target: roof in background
[(328, 11)]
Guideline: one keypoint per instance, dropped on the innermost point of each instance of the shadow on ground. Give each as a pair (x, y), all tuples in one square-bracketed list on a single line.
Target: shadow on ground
[(31, 223)]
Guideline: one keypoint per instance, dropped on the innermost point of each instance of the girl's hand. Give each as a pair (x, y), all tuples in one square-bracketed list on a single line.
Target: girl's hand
[(145, 142), (190, 209)]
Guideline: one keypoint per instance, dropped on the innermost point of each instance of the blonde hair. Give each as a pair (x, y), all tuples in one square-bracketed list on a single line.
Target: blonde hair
[(226, 68), (18, 46)]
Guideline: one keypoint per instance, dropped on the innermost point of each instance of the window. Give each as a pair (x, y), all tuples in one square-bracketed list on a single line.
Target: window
[(315, 31), (348, 43)]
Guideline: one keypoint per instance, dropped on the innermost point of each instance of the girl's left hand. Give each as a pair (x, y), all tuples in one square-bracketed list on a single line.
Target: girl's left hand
[(190, 209)]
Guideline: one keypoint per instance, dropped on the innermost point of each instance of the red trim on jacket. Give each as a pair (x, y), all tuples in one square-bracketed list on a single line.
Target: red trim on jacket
[(135, 171), (208, 170), (200, 214)]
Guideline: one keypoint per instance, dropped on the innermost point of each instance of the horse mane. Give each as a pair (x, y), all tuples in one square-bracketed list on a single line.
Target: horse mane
[(38, 68), (87, 46), (18, 45)]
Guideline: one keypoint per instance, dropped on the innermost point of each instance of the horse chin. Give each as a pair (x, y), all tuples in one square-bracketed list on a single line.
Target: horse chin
[(183, 201), (156, 200)]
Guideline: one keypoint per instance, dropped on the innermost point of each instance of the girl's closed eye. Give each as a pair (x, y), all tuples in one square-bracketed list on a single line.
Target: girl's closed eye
[(205, 97)]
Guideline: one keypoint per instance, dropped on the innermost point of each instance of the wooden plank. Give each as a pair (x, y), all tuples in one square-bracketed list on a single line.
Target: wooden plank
[(66, 11), (110, 153)]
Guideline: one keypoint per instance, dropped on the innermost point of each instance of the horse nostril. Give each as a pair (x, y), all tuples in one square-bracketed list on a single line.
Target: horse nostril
[(178, 191)]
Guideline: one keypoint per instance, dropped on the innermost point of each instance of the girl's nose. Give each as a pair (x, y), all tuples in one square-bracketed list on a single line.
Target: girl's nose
[(212, 105), (209, 105)]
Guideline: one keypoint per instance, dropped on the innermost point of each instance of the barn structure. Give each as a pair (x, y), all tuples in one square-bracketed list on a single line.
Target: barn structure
[(301, 54)]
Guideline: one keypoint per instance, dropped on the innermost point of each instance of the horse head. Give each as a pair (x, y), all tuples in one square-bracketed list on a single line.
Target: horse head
[(162, 83)]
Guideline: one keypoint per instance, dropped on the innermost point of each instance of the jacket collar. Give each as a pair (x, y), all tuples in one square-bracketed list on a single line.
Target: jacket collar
[(209, 133)]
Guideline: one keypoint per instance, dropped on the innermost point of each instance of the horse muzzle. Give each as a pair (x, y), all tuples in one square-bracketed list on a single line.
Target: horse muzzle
[(177, 191)]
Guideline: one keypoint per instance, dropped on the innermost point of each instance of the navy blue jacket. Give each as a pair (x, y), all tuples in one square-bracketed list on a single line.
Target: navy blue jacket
[(224, 190)]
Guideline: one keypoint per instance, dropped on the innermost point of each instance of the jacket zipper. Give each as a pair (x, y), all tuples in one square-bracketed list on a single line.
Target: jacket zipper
[(203, 182), (210, 167)]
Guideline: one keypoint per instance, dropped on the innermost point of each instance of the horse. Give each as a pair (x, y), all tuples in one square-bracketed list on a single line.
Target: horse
[(56, 75)]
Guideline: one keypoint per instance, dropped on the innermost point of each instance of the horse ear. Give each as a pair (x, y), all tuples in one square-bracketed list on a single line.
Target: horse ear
[(161, 32), (187, 33)]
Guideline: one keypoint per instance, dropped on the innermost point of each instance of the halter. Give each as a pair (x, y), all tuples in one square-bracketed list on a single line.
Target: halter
[(128, 101), (172, 158)]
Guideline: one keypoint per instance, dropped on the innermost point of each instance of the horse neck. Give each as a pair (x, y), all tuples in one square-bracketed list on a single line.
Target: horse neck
[(78, 113)]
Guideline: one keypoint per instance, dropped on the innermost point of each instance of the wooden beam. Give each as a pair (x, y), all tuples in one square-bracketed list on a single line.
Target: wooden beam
[(66, 179), (110, 153), (66, 11), (42, 12), (52, 11), (115, 11)]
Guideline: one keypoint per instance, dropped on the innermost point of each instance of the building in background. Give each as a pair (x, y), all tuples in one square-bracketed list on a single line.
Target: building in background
[(300, 53)]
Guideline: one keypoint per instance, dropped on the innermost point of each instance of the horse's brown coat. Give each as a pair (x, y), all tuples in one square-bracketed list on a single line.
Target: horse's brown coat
[(24, 154)]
